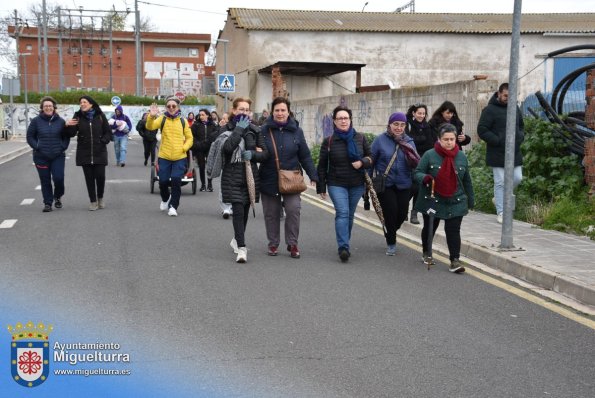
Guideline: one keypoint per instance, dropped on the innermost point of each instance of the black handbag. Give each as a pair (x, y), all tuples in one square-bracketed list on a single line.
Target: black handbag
[(379, 180)]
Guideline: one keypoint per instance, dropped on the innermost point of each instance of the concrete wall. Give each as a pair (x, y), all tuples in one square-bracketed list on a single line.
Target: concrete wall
[(15, 115), (406, 59), (372, 110)]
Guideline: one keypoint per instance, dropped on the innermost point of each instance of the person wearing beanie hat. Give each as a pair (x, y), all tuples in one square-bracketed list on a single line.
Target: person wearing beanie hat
[(397, 117), (120, 133), (394, 158), (44, 135), (172, 160), (93, 133)]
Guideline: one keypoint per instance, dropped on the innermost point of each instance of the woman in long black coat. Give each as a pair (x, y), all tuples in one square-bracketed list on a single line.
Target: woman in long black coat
[(90, 125)]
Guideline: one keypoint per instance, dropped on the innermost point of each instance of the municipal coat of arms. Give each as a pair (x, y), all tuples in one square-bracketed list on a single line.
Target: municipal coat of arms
[(30, 353)]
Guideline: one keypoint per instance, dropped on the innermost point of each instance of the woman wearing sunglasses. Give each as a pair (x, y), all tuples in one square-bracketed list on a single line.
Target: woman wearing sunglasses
[(176, 140)]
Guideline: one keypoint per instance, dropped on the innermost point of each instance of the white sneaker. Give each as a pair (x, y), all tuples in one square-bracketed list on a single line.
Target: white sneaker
[(164, 205), (172, 212), (499, 218), (234, 245), (242, 255)]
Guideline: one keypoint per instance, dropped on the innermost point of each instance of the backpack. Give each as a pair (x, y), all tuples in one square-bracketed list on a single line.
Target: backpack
[(181, 119)]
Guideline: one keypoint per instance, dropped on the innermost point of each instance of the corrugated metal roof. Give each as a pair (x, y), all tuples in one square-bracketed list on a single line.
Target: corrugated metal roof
[(306, 20)]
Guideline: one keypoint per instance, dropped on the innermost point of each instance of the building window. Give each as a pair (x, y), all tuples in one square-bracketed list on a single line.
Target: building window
[(103, 51), (173, 52), (73, 50), (118, 51), (29, 47)]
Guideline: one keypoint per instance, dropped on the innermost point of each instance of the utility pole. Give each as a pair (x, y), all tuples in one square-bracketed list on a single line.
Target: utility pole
[(139, 80), (45, 47), (511, 117), (60, 66)]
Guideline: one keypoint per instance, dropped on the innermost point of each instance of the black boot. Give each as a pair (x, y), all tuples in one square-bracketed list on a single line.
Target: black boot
[(210, 185)]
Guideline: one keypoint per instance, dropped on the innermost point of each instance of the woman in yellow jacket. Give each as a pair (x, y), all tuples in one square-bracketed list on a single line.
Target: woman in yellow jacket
[(176, 140)]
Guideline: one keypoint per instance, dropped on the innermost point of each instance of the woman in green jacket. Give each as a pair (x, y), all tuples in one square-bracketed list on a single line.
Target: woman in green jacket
[(446, 169)]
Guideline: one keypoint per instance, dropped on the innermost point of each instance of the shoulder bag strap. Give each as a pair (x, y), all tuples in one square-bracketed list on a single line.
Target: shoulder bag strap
[(275, 149), (392, 160)]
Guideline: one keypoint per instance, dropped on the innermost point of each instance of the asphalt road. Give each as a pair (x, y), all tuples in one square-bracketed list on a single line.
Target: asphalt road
[(170, 290)]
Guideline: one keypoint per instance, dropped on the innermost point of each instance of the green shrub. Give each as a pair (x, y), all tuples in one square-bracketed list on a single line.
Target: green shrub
[(550, 171), (552, 193)]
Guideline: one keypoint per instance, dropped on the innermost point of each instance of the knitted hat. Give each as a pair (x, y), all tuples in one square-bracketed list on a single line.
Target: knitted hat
[(173, 98), (397, 117)]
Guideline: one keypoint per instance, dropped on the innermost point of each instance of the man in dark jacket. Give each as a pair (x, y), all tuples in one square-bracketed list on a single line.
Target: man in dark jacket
[(492, 129)]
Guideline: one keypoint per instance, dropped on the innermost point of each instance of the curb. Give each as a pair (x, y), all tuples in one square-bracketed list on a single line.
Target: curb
[(530, 273), (5, 157)]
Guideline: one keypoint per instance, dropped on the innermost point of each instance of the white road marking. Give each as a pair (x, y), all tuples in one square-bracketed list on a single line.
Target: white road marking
[(7, 224), (27, 201), (116, 181), (38, 188)]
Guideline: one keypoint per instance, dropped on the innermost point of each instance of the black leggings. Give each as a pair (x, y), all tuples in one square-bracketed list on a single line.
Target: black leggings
[(94, 177), (240, 220), (150, 149), (452, 230), (394, 203)]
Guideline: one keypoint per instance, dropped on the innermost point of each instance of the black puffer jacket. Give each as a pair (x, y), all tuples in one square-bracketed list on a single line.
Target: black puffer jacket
[(435, 123), (336, 169), (93, 137), (44, 135), (148, 135), (233, 176), (204, 135), (423, 135), (492, 129), (293, 151)]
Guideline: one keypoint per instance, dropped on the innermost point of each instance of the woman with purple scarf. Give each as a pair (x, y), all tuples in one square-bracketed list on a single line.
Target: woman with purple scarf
[(399, 172), (343, 157)]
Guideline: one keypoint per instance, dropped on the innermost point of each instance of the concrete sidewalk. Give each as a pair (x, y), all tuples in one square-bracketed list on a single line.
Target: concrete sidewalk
[(553, 261), (550, 260), (13, 148)]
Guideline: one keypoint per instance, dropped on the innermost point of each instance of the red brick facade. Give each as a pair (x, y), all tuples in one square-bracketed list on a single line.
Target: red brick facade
[(162, 55)]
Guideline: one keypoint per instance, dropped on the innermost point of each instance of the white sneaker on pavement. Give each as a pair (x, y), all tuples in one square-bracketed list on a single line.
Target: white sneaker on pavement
[(234, 245), (242, 255), (164, 205), (499, 218), (172, 212)]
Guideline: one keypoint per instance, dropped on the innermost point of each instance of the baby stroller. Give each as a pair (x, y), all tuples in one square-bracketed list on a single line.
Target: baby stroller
[(189, 174)]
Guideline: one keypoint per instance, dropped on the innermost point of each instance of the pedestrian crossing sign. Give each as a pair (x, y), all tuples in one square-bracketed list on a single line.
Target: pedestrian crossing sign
[(226, 83)]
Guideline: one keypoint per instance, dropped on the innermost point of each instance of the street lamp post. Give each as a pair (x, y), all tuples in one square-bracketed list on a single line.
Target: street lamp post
[(224, 41), (26, 90)]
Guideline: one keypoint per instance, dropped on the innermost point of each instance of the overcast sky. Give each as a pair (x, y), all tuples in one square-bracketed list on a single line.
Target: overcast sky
[(209, 16)]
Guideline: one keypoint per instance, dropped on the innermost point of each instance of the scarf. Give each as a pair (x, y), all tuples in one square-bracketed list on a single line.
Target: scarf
[(446, 179), (90, 114), (411, 155), (347, 136), (281, 125), (173, 115)]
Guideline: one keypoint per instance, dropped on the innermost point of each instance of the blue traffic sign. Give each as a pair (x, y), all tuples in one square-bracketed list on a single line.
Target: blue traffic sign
[(116, 100), (226, 83)]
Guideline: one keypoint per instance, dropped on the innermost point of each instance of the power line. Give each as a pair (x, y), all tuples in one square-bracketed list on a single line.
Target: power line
[(181, 8)]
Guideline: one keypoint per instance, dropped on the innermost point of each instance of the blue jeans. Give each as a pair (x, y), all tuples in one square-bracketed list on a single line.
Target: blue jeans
[(345, 201), (499, 185), (48, 170), (120, 146), (171, 173)]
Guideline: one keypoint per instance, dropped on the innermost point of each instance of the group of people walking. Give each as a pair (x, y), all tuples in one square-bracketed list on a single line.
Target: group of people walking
[(412, 158)]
